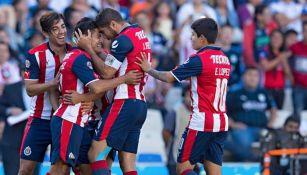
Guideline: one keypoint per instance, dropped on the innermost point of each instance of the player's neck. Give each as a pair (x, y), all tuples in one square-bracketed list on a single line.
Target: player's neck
[(125, 24), (58, 50)]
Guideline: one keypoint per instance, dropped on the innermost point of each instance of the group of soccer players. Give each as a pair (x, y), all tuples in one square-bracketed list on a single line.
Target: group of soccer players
[(64, 81)]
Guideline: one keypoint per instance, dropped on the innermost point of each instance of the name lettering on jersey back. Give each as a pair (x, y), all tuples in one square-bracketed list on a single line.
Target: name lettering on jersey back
[(220, 59), (222, 71), (141, 35)]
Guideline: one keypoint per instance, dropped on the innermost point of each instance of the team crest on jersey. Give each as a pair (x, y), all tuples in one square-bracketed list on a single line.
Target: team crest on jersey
[(71, 156), (89, 65), (27, 151), (28, 64), (115, 44)]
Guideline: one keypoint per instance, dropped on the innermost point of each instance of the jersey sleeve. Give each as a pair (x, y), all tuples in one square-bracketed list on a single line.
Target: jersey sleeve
[(32, 68), (82, 67), (192, 67), (119, 50)]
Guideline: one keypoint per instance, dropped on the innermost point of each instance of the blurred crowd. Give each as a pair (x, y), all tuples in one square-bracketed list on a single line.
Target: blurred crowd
[(265, 40)]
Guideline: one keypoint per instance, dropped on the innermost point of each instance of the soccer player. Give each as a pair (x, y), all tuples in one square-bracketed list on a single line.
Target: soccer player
[(120, 125), (42, 65), (70, 140), (208, 72)]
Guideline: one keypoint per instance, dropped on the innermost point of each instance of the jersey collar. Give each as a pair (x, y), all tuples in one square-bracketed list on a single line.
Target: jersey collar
[(130, 26), (208, 48), (67, 47)]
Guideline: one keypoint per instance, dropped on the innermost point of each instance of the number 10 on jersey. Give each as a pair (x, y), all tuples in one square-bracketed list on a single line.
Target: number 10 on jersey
[(219, 103)]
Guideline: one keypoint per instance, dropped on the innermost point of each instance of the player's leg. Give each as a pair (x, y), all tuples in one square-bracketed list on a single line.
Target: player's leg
[(136, 116), (110, 127), (185, 168), (212, 168), (37, 137), (59, 168), (191, 150), (214, 155), (66, 143), (127, 163)]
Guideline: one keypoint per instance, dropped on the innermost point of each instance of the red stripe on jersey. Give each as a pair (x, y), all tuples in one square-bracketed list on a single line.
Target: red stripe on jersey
[(188, 144), (115, 110), (222, 122), (61, 110), (26, 133), (78, 122), (65, 138), (39, 106), (131, 88)]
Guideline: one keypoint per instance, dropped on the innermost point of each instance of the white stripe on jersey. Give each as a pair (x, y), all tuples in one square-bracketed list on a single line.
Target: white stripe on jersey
[(137, 91), (198, 118), (37, 58), (226, 121), (216, 122), (122, 90)]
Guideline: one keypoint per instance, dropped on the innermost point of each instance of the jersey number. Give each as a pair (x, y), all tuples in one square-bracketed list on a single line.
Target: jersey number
[(220, 95)]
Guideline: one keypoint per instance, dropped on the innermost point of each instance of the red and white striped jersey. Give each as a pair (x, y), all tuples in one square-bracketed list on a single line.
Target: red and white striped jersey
[(208, 71), (101, 105), (42, 64), (76, 73), (125, 49)]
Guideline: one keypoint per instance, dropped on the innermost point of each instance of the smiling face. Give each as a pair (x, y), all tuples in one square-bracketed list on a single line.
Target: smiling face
[(97, 41), (57, 34)]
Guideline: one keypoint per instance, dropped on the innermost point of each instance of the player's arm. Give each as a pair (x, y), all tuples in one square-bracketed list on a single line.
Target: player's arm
[(33, 87), (192, 68), (83, 70), (72, 97), (119, 50)]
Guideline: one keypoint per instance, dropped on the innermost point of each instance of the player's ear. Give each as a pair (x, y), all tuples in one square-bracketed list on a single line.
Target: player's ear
[(113, 25), (203, 39)]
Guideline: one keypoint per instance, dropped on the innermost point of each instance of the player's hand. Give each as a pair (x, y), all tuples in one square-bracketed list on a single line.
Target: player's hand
[(55, 82), (133, 77), (84, 41), (87, 107), (71, 97), (143, 62), (14, 111)]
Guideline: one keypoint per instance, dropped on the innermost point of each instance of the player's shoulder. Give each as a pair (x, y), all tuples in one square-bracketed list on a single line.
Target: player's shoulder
[(39, 48)]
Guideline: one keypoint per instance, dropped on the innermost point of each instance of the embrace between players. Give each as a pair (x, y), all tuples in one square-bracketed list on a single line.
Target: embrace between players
[(64, 81)]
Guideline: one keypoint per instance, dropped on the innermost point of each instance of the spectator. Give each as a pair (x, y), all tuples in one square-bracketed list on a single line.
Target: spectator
[(71, 21), (274, 62), (246, 11), (256, 34), (163, 21), (41, 5), (225, 15), (288, 14), (22, 12), (248, 115), (157, 40), (114, 4), (233, 52), (287, 137), (298, 64), (11, 104), (174, 125), (291, 37), (82, 6)]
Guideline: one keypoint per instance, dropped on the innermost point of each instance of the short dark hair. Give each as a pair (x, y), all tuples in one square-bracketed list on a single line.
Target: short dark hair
[(290, 31), (248, 68), (293, 118), (49, 19), (86, 24), (104, 18), (259, 9), (206, 27)]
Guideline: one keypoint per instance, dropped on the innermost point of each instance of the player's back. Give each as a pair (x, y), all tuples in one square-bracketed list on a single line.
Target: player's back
[(70, 81), (208, 91), (134, 36)]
